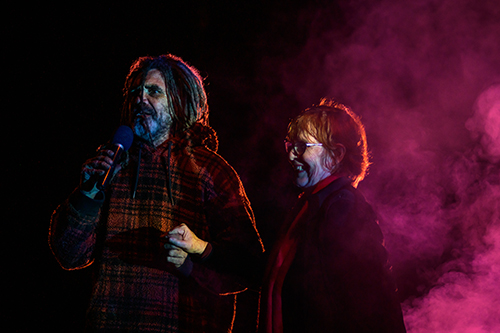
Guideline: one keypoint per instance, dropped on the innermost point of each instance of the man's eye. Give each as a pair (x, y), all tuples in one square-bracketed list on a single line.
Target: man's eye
[(154, 91)]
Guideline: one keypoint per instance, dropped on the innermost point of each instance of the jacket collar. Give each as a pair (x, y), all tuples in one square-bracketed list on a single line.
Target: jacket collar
[(317, 195)]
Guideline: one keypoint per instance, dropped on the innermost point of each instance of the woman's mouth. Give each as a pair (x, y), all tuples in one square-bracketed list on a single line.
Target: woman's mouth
[(298, 168)]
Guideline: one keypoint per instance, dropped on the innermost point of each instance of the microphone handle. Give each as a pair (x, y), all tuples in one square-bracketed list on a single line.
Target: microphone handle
[(107, 178)]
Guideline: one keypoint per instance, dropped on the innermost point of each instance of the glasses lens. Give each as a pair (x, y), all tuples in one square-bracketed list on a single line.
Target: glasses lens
[(298, 147)]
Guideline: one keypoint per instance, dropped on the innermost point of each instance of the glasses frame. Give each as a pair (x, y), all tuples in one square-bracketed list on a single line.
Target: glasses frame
[(299, 147)]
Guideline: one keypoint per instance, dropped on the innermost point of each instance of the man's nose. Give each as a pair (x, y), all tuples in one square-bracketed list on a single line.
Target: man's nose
[(291, 155), (142, 97)]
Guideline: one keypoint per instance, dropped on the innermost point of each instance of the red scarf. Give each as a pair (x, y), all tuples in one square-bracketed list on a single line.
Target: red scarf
[(280, 260)]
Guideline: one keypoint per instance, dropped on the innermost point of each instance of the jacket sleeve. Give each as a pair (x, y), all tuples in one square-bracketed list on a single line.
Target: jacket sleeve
[(72, 233), (234, 262)]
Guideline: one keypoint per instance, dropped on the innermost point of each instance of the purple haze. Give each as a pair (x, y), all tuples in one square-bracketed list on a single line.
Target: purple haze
[(425, 78)]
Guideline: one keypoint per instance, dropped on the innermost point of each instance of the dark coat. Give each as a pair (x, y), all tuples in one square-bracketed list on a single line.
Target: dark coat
[(339, 280)]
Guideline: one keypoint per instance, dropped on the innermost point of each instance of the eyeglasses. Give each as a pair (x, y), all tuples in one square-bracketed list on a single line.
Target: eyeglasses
[(298, 147)]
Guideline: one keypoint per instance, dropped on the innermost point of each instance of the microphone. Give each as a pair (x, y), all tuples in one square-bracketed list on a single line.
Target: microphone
[(122, 140)]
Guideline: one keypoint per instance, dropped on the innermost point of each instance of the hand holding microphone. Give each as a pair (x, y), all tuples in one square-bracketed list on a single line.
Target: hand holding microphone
[(98, 171)]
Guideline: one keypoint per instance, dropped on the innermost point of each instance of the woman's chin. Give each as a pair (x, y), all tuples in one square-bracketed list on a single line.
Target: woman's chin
[(301, 179)]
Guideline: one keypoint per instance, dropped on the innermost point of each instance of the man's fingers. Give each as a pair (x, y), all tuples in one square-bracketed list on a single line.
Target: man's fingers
[(175, 260), (176, 241), (175, 255), (92, 171), (170, 246), (98, 165), (100, 162), (106, 153), (179, 232)]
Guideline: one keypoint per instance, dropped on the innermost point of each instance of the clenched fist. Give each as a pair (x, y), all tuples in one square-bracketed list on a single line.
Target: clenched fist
[(181, 242)]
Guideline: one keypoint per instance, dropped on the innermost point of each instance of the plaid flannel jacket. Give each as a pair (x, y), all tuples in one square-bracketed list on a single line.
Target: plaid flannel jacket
[(182, 181)]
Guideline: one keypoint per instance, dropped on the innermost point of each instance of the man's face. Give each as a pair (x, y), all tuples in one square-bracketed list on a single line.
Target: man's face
[(151, 108)]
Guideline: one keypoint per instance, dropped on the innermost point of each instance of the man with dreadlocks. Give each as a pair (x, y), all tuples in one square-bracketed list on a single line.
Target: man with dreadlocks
[(172, 238)]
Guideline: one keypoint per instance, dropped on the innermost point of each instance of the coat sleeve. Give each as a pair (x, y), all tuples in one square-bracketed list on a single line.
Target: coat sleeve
[(235, 259), (72, 233)]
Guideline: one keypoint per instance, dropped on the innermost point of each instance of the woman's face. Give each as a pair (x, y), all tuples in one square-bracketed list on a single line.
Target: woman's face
[(309, 167)]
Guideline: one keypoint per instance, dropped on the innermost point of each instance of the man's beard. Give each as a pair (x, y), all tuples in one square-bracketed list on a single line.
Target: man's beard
[(150, 125)]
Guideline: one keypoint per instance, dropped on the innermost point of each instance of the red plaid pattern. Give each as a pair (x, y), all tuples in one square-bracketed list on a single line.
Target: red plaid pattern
[(135, 289)]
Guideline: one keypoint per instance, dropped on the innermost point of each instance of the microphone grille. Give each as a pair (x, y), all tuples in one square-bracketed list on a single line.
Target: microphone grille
[(123, 136)]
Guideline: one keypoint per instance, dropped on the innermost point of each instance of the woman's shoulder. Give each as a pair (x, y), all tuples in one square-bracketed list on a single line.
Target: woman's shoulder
[(340, 190)]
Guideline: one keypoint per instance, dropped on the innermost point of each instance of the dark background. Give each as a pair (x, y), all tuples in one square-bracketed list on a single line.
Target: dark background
[(66, 70), (415, 73)]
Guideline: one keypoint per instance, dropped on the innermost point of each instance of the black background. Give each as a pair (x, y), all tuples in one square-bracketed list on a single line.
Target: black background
[(65, 64)]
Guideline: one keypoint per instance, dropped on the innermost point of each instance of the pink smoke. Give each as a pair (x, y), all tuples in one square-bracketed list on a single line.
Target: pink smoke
[(485, 124), (424, 77), (462, 302), (466, 295)]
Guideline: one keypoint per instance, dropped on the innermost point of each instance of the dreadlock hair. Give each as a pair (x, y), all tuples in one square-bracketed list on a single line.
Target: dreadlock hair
[(332, 123), (185, 92)]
